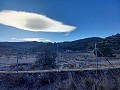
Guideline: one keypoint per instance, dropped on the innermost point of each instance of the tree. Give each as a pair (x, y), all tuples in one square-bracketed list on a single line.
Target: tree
[(46, 57), (0, 56), (8, 55), (105, 49)]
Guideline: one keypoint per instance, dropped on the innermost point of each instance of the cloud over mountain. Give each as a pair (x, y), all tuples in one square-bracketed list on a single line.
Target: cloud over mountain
[(32, 22), (31, 39)]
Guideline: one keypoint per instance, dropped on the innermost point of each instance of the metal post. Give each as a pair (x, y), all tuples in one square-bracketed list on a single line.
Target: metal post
[(17, 60), (93, 87), (96, 56), (57, 57)]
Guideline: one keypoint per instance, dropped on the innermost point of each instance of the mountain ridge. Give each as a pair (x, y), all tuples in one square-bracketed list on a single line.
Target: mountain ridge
[(112, 42)]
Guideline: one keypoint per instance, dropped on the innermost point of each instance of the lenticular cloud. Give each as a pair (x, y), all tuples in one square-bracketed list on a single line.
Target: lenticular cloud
[(32, 22)]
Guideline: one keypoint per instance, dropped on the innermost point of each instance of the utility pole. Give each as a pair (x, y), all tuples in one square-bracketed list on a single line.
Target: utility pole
[(96, 56), (96, 50)]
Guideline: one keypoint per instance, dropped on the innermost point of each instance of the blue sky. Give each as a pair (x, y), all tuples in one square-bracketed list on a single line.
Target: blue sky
[(92, 18)]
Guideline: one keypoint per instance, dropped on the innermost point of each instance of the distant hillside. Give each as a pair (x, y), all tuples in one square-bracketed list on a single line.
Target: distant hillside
[(82, 44), (113, 41), (109, 44), (19, 44)]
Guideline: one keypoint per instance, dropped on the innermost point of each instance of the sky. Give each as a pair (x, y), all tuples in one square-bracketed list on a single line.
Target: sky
[(58, 20)]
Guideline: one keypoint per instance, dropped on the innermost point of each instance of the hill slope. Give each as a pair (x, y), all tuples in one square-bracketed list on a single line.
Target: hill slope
[(109, 44)]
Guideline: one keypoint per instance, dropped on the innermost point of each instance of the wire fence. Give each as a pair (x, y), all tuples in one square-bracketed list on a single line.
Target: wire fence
[(22, 60)]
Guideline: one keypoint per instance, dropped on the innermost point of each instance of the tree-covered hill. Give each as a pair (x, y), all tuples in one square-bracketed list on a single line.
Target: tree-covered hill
[(109, 44), (80, 45)]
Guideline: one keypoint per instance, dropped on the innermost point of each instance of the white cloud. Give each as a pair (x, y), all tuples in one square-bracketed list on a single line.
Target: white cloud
[(67, 34), (32, 22), (31, 39)]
